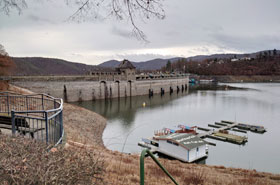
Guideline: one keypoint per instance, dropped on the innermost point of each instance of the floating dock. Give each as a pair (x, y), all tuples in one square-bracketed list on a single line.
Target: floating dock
[(214, 126), (232, 138), (252, 128), (221, 132)]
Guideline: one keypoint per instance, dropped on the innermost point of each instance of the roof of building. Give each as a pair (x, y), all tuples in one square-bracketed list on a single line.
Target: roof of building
[(188, 141), (125, 64)]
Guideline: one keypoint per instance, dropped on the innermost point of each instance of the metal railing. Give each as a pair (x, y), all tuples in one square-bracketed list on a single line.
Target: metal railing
[(142, 166), (37, 116)]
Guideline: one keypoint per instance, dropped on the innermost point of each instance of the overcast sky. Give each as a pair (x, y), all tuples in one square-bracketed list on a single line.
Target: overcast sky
[(191, 27)]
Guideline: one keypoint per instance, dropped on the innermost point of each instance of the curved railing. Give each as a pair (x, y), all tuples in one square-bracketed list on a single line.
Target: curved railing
[(38, 116)]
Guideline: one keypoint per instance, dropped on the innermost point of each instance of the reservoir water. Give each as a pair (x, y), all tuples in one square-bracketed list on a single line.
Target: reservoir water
[(128, 121)]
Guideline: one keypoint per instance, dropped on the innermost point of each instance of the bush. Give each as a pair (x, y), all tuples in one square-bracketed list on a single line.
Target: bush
[(24, 161), (195, 177), (4, 85)]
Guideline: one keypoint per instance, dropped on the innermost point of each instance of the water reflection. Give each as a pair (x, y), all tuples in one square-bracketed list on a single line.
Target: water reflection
[(125, 109)]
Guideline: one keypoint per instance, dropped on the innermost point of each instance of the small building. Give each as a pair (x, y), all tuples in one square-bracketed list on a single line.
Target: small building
[(234, 60), (246, 58), (183, 146), (127, 69), (125, 72)]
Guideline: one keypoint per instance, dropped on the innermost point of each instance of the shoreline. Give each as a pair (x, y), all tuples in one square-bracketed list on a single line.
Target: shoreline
[(84, 129), (245, 79), (119, 163)]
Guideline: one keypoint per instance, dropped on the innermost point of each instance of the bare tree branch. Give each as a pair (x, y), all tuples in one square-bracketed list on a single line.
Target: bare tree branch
[(129, 10), (7, 5), (123, 10)]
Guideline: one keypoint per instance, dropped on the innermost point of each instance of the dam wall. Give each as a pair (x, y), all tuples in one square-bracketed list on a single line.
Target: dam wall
[(82, 89)]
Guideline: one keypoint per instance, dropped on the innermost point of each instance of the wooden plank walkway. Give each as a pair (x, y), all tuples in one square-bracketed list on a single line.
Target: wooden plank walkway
[(221, 133), (243, 126), (211, 132), (232, 138)]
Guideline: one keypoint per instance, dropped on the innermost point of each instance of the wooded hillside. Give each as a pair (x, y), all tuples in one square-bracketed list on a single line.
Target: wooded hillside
[(266, 63)]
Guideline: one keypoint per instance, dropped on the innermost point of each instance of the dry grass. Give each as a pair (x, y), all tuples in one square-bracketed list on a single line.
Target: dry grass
[(23, 161)]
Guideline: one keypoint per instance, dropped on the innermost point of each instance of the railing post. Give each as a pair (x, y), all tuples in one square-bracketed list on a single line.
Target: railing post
[(54, 104), (13, 123), (47, 131), (26, 99), (61, 123), (142, 167), (8, 104), (142, 172), (42, 96)]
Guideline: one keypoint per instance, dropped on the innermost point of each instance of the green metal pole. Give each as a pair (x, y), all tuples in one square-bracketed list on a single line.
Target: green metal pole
[(142, 172)]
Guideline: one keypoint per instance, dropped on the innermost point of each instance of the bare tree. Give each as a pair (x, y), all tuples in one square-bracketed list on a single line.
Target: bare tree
[(6, 63), (123, 10), (3, 51)]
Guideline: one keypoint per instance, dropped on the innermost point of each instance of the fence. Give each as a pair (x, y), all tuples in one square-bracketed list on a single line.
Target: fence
[(37, 116)]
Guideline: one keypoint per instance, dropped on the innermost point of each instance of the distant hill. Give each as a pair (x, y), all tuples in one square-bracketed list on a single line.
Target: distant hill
[(158, 63), (200, 58), (49, 66), (154, 64), (52, 66), (260, 63), (110, 64)]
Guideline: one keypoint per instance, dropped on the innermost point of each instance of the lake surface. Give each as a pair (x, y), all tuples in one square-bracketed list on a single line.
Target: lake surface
[(128, 121)]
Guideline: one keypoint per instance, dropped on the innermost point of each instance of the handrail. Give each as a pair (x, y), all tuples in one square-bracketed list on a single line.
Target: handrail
[(47, 110), (142, 173), (40, 111), (58, 100), (28, 95)]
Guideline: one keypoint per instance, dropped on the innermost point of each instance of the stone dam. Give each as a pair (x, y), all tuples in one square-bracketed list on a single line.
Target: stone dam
[(84, 88)]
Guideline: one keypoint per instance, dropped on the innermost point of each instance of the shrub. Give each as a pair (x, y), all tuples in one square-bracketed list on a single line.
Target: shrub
[(195, 177), (24, 161), (4, 85)]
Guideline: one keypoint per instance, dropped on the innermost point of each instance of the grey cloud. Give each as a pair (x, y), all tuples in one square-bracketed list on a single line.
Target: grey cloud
[(35, 18), (246, 43), (213, 28), (77, 55), (202, 26), (143, 57), (121, 32), (202, 49)]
